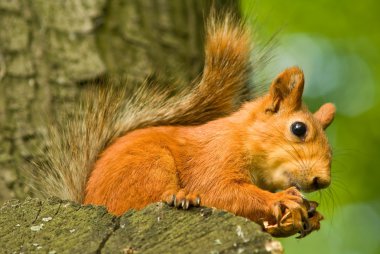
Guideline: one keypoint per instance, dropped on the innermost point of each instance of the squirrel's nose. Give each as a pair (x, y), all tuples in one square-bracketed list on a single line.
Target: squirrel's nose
[(320, 182)]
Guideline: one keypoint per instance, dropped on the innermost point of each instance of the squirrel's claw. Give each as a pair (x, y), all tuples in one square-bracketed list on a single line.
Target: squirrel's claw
[(197, 201), (182, 199), (172, 200)]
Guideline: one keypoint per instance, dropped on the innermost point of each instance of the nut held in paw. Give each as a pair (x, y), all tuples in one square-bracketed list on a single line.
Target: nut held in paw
[(286, 226)]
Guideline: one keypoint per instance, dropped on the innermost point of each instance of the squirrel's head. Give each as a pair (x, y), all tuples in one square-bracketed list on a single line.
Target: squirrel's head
[(289, 140)]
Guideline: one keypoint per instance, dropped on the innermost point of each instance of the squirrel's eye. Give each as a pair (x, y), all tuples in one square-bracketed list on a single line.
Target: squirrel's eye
[(299, 129)]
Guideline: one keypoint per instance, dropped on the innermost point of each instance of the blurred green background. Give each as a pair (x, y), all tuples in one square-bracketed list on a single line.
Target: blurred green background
[(337, 44)]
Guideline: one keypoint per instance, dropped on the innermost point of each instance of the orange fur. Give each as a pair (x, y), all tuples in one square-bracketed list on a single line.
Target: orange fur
[(205, 150), (232, 163), (201, 144)]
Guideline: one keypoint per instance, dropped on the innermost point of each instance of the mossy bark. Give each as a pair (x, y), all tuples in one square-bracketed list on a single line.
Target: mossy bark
[(55, 226)]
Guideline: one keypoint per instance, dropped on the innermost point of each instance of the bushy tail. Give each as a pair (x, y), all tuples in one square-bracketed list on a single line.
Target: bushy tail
[(110, 112)]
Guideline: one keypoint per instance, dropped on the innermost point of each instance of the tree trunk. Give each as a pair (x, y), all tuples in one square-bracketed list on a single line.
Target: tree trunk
[(49, 50)]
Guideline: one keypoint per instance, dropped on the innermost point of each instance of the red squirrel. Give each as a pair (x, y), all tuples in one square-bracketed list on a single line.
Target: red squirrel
[(202, 146)]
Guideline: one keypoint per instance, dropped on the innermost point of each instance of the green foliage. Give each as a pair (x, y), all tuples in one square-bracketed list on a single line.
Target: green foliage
[(337, 45)]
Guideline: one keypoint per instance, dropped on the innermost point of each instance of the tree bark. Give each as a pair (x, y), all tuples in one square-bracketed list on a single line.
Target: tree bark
[(55, 226), (50, 50)]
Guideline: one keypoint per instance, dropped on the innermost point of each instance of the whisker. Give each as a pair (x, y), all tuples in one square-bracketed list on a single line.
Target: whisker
[(298, 157), (297, 161)]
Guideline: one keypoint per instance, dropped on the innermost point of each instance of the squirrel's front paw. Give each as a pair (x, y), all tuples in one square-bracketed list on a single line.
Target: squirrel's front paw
[(290, 212)]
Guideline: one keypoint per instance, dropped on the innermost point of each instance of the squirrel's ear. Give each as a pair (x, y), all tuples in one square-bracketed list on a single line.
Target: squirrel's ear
[(287, 88), (325, 114)]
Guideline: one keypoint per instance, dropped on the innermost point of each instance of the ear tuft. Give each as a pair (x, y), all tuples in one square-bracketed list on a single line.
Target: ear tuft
[(325, 114), (287, 89)]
